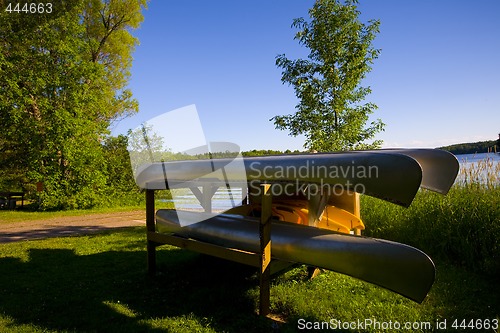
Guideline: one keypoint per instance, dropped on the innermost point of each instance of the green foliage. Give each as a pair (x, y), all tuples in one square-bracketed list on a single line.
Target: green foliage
[(62, 80), (255, 152), (327, 84), (120, 186), (109, 43)]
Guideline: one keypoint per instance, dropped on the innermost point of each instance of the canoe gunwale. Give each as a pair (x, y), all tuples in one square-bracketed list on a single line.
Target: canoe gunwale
[(397, 177)]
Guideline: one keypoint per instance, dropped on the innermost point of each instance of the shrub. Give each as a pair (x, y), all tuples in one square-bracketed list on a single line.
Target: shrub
[(462, 227)]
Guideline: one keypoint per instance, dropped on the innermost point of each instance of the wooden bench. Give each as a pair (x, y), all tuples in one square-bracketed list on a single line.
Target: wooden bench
[(11, 198), (260, 260)]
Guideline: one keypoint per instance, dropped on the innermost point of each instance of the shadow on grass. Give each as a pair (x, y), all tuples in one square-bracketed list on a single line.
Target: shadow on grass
[(57, 289), (464, 295), (51, 232)]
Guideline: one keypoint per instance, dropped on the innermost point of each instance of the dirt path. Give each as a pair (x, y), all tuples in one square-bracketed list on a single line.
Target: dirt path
[(69, 225)]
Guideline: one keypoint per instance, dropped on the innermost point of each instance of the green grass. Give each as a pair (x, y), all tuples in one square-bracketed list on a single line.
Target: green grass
[(99, 283), (20, 215), (8, 216), (462, 227)]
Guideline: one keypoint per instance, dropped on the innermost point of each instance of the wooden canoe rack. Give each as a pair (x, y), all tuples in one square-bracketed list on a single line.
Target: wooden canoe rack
[(261, 260)]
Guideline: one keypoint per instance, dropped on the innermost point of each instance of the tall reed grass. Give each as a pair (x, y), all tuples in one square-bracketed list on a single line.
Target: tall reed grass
[(462, 227), (484, 173)]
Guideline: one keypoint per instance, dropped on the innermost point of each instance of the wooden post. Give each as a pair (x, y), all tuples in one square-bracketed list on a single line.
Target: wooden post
[(357, 211), (265, 251), (207, 195), (244, 195), (348, 201), (150, 226)]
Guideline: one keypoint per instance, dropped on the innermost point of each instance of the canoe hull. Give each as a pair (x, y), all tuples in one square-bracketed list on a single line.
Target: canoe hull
[(394, 266), (392, 175)]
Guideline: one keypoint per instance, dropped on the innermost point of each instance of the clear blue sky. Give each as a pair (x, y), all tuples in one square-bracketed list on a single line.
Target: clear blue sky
[(436, 82)]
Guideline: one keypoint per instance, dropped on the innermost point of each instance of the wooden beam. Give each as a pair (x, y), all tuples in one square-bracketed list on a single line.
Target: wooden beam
[(279, 266), (242, 257), (244, 195), (205, 197), (197, 193), (265, 250), (262, 259), (150, 226), (208, 194), (316, 204), (348, 201)]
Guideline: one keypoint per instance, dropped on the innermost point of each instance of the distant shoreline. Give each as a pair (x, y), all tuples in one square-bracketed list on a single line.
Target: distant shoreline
[(472, 147), (475, 153)]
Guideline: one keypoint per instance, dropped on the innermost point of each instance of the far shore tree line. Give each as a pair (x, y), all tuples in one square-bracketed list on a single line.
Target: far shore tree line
[(490, 146)]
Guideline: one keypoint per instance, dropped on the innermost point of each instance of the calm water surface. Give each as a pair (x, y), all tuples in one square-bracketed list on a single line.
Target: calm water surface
[(474, 158)]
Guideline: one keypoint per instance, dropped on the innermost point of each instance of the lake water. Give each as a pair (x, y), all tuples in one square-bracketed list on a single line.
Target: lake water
[(221, 201), (483, 168), (184, 199), (474, 158)]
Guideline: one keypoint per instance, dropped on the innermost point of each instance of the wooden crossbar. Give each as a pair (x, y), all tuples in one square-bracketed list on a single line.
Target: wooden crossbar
[(261, 259)]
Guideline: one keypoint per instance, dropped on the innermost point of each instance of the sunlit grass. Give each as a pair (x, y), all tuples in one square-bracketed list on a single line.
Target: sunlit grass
[(100, 283), (10, 216), (462, 226), (26, 215)]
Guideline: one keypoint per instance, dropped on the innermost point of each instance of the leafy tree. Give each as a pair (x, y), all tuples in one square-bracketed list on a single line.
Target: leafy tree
[(120, 185), (58, 95), (109, 42), (255, 152), (327, 83)]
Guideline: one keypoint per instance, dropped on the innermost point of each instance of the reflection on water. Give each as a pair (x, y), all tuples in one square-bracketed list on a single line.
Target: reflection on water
[(222, 200)]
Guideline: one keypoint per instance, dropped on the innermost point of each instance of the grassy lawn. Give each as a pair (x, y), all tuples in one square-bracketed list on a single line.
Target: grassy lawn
[(99, 283), (27, 214), (8, 216)]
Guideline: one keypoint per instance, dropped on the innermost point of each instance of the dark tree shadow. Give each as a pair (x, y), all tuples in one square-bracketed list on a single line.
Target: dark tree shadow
[(51, 232)]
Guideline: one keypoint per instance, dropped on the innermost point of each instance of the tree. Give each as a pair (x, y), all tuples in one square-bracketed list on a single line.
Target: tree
[(58, 95), (120, 186), (109, 42), (327, 84)]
